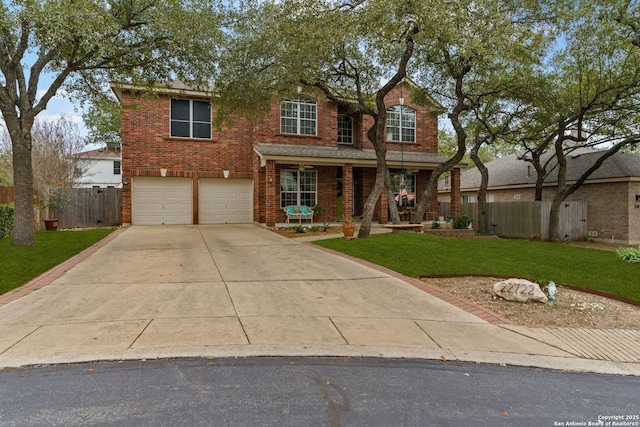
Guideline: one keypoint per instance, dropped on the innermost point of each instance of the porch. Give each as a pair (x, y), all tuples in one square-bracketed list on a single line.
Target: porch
[(339, 179)]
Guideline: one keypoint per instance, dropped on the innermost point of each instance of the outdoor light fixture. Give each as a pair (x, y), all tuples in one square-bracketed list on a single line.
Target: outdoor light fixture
[(126, 180), (225, 173), (163, 172)]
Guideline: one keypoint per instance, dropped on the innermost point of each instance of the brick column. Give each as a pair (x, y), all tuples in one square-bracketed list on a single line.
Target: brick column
[(456, 200), (347, 191), (271, 184)]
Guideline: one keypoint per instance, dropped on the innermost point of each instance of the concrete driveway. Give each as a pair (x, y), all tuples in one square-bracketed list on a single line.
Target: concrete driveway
[(241, 290)]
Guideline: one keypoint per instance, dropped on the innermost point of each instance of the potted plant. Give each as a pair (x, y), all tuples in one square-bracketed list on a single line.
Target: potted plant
[(348, 228), (54, 200), (317, 210)]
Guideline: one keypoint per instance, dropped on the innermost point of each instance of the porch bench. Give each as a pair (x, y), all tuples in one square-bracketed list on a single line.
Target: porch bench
[(397, 228), (298, 212)]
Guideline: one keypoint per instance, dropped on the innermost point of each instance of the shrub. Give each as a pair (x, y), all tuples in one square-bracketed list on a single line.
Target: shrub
[(6, 220), (435, 225), (55, 199), (461, 221), (314, 228), (325, 226), (629, 254)]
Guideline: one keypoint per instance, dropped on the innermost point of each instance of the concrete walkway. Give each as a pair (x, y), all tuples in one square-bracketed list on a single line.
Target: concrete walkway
[(241, 290)]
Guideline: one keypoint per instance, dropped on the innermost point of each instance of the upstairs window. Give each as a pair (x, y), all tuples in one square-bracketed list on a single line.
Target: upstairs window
[(345, 129), (298, 116), (190, 119), (116, 167), (401, 124)]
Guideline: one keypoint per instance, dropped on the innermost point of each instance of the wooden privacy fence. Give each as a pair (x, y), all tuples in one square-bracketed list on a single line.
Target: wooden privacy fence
[(527, 220), (6, 195), (90, 207)]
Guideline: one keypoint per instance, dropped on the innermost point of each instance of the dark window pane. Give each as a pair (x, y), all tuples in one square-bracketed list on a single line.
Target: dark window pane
[(180, 129), (180, 109), (202, 130), (201, 111)]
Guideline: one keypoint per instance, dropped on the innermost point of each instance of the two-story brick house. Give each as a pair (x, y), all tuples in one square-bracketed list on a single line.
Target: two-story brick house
[(178, 168)]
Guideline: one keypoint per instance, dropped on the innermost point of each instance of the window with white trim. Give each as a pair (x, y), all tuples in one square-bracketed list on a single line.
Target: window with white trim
[(345, 129), (298, 116), (401, 124), (298, 187), (117, 170), (409, 182), (190, 119)]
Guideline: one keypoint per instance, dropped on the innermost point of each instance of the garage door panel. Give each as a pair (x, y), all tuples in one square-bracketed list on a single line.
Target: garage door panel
[(157, 201), (226, 201)]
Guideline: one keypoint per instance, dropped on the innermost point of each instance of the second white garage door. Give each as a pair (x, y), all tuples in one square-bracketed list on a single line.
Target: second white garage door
[(157, 201), (226, 201)]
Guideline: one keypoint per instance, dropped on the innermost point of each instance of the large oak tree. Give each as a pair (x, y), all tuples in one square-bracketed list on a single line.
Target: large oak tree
[(79, 47), (587, 97)]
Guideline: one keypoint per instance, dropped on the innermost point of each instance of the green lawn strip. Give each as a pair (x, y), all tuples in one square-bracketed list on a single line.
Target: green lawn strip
[(19, 264), (418, 255)]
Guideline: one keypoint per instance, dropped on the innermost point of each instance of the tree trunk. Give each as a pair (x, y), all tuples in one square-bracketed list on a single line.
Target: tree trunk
[(393, 208), (461, 140), (370, 205), (23, 222), (554, 218), (482, 226), (541, 173), (561, 188)]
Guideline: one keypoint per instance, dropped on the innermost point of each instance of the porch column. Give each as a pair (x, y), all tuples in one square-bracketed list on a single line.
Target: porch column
[(271, 193), (347, 191), (456, 199)]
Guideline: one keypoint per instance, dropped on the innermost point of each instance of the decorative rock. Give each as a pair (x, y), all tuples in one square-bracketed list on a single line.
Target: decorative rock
[(519, 290)]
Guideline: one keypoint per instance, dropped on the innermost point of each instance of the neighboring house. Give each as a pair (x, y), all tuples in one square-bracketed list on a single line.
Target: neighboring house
[(612, 192), (100, 168), (179, 169)]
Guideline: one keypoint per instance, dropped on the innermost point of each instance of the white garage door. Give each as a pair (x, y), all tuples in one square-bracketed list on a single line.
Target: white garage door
[(157, 201), (226, 201)]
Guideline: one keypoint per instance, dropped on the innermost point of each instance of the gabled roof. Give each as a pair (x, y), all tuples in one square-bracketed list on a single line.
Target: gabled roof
[(100, 153), (175, 87), (511, 171), (284, 153), (178, 87)]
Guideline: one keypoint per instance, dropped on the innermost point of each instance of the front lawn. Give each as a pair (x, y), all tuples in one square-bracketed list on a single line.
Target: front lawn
[(19, 264), (417, 255)]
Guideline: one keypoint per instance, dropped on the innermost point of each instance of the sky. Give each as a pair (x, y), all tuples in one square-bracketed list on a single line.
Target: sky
[(59, 106)]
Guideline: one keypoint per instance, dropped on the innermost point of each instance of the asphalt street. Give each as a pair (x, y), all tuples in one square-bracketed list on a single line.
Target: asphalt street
[(311, 392)]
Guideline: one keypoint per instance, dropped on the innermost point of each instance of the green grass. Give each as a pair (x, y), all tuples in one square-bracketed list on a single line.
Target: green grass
[(417, 255), (19, 264)]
